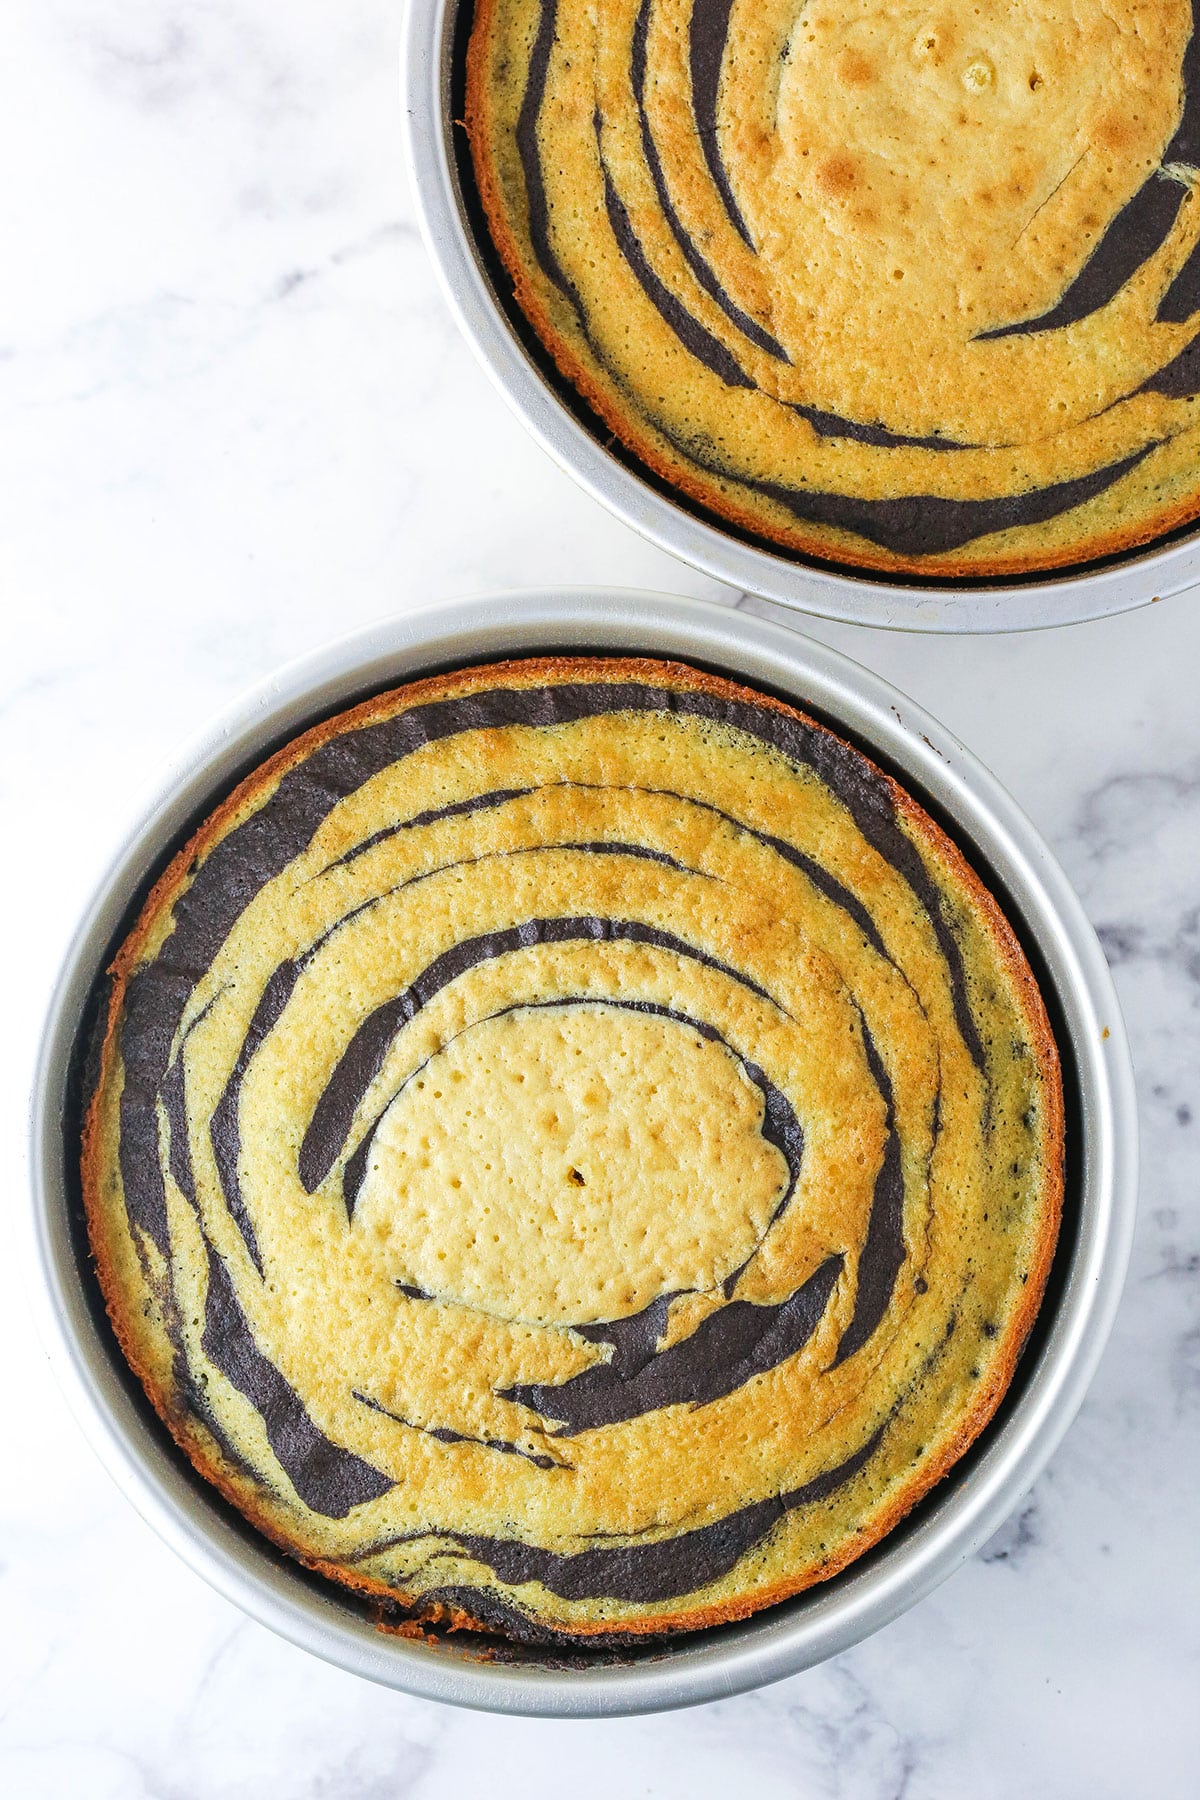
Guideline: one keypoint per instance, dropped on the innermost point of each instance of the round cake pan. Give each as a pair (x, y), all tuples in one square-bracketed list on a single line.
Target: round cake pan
[(444, 210), (1085, 1283)]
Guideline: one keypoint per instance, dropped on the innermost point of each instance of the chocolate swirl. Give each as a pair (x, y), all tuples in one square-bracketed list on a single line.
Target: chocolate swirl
[(896, 293), (390, 1054)]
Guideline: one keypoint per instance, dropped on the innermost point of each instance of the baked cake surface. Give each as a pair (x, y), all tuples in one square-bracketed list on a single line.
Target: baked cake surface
[(910, 288), (574, 1149)]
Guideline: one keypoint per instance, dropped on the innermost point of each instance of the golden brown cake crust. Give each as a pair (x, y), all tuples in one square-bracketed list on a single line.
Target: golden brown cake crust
[(1019, 397), (128, 1265)]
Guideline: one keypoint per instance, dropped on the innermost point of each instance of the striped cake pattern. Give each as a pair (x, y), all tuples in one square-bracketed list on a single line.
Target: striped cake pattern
[(915, 290), (574, 1148)]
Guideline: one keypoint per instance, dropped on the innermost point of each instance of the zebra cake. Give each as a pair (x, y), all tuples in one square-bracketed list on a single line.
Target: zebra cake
[(573, 1150), (912, 289)]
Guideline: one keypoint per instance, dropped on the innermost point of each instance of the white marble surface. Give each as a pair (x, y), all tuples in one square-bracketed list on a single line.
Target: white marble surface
[(236, 420)]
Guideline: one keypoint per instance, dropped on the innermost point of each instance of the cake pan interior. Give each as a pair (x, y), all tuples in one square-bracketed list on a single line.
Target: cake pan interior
[(331, 1621), (481, 294)]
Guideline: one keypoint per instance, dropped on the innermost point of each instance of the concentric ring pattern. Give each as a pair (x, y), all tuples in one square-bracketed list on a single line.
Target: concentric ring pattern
[(913, 288), (574, 1148)]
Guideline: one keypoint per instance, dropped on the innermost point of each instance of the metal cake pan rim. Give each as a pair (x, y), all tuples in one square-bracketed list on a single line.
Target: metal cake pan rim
[(1131, 580), (952, 1522)]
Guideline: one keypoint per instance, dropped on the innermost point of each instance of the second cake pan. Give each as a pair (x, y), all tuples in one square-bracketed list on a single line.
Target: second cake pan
[(448, 219), (1085, 1285)]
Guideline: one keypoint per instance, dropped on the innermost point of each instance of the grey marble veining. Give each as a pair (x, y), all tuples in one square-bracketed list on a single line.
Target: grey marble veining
[(236, 420)]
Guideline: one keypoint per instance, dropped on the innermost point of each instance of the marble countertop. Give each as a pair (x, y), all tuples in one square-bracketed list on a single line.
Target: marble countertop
[(235, 421)]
